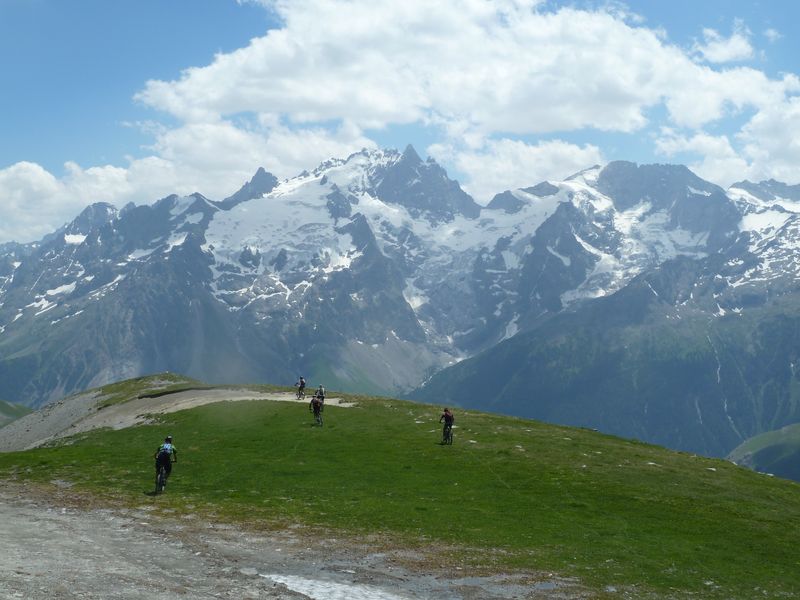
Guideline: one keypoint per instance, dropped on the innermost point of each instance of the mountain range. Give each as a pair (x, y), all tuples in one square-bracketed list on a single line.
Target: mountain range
[(640, 300)]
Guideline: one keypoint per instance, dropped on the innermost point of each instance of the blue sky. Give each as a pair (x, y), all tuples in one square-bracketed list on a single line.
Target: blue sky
[(126, 100)]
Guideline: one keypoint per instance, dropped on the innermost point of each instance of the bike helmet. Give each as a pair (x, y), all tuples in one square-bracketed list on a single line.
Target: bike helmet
[(168, 438)]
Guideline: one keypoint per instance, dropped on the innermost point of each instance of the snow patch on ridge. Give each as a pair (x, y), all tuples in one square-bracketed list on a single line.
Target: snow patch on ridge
[(62, 289), (74, 239)]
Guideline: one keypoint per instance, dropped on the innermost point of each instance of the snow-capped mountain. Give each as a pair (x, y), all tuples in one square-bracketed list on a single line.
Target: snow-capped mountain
[(370, 273), (697, 350)]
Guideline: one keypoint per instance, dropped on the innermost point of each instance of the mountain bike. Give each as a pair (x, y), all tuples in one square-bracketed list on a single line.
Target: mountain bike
[(301, 394), (161, 479), (447, 435)]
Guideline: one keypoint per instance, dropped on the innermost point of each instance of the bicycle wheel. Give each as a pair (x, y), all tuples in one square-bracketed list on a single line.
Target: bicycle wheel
[(161, 480), (447, 436)]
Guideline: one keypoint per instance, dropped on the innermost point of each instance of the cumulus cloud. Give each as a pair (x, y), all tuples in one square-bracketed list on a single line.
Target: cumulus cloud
[(719, 49), (767, 147), (772, 142), (498, 66), (772, 35), (510, 164), (719, 161), (32, 196)]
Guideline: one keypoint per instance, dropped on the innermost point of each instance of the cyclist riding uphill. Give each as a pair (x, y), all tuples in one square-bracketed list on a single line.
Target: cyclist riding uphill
[(165, 455), (448, 418), (301, 387)]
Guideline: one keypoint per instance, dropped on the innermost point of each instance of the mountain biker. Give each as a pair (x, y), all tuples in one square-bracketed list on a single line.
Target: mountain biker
[(301, 387), (449, 419), (317, 403), (165, 455)]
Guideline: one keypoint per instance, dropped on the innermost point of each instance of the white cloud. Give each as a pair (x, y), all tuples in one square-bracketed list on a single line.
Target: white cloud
[(718, 49), (772, 35), (719, 161), (771, 141), (498, 66), (705, 96), (510, 164), (767, 147), (476, 69), (30, 196)]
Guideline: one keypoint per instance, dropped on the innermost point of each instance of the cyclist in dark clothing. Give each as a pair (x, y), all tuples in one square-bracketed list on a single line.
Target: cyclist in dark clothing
[(449, 419), (165, 455)]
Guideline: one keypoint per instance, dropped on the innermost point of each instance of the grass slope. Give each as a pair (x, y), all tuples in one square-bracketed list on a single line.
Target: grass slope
[(10, 412), (775, 452), (509, 494)]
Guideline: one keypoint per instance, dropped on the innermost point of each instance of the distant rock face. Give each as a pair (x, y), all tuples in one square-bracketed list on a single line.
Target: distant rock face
[(374, 272), (423, 188), (261, 183)]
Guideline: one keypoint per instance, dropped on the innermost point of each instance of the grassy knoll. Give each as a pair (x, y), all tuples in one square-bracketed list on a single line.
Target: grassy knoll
[(776, 452), (509, 494), (10, 412), (128, 389), (160, 384)]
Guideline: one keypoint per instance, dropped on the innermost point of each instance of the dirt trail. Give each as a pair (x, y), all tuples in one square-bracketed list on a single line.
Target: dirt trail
[(51, 549), (83, 412)]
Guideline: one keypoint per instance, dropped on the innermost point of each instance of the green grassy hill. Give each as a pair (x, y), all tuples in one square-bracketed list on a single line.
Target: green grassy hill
[(510, 494), (10, 412), (775, 452)]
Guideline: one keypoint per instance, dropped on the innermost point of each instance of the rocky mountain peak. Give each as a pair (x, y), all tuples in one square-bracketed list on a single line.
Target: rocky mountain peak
[(92, 217), (410, 156), (424, 189), (261, 183), (769, 190)]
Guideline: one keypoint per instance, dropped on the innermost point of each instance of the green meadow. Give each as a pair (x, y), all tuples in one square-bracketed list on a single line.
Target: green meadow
[(9, 412), (508, 495)]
